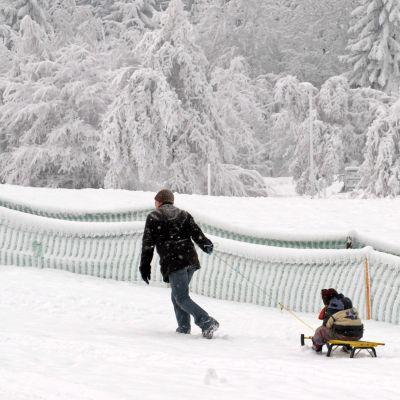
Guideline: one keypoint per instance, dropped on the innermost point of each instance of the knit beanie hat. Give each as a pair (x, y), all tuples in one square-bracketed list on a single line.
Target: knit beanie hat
[(165, 196), (327, 295)]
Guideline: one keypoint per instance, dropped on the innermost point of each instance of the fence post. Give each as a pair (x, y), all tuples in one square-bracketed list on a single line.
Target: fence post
[(367, 289)]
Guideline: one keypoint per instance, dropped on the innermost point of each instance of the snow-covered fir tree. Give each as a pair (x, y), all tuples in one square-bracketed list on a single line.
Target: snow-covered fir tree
[(118, 26), (12, 12), (302, 38), (198, 9), (33, 39), (228, 29), (291, 106), (195, 134), (364, 107), (327, 153), (137, 14), (124, 19), (139, 129), (240, 110), (341, 117), (73, 23), (380, 172), (50, 114), (329, 127), (312, 36), (6, 59), (333, 100), (133, 13), (374, 46), (143, 104), (333, 108)]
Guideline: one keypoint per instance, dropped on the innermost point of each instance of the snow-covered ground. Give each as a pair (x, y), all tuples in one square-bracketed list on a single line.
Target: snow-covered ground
[(73, 337), (378, 218)]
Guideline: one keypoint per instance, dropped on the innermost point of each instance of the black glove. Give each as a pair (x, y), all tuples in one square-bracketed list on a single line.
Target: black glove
[(146, 274), (208, 248)]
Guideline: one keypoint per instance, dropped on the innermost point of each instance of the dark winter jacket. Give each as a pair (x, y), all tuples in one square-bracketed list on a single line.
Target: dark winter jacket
[(342, 319), (346, 324), (337, 303), (171, 231)]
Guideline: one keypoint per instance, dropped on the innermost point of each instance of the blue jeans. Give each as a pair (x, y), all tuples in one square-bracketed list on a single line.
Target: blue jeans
[(184, 306)]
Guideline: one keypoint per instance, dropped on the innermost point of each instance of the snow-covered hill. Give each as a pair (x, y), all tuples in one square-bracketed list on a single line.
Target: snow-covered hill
[(71, 337)]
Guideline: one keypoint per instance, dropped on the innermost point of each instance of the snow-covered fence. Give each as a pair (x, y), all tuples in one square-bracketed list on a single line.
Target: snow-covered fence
[(337, 240), (268, 276), (385, 286), (362, 240), (326, 241), (132, 214), (107, 250), (305, 241), (235, 271)]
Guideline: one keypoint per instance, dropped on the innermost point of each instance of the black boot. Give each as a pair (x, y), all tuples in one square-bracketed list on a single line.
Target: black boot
[(183, 330), (210, 328)]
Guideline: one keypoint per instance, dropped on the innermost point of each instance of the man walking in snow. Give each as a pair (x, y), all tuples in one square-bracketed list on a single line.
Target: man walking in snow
[(171, 231)]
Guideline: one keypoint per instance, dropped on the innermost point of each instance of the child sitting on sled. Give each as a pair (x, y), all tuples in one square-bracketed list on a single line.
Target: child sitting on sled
[(340, 320)]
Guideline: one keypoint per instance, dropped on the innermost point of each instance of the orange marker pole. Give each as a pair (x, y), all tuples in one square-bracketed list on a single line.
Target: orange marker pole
[(367, 289)]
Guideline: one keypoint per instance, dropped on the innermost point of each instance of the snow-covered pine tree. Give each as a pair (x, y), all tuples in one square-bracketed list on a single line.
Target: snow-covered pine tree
[(291, 106), (333, 100), (328, 156), (134, 13), (380, 172), (33, 40), (15, 112), (124, 19), (117, 27), (6, 60), (227, 29), (364, 107), (264, 93), (327, 151), (312, 35), (301, 38), (329, 115), (12, 12), (73, 23), (374, 46), (50, 118), (191, 133), (240, 111), (8, 36), (137, 14), (199, 8), (138, 130), (291, 95), (333, 108), (300, 163)]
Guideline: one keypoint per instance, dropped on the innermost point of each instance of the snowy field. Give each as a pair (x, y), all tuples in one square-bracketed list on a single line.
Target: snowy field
[(377, 218), (73, 337)]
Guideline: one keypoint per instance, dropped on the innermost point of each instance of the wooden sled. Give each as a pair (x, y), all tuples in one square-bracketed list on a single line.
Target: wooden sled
[(354, 347)]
